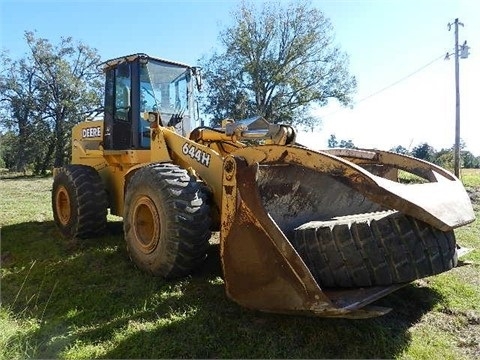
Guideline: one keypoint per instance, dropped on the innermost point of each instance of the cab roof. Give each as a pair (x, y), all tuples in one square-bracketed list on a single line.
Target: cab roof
[(129, 58)]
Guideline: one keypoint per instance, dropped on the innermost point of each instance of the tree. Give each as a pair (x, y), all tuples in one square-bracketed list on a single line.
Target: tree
[(44, 94), (334, 143), (7, 155), (469, 160), (444, 158), (18, 108), (347, 144), (277, 60), (400, 150), (424, 152)]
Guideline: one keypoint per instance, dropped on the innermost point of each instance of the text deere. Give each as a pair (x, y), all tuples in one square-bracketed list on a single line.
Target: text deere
[(92, 132)]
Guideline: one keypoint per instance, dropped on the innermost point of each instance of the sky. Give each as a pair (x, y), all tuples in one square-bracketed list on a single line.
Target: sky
[(406, 90)]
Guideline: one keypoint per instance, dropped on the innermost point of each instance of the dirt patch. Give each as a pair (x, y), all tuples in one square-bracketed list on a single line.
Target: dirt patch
[(474, 194), (6, 259), (466, 331), (462, 326)]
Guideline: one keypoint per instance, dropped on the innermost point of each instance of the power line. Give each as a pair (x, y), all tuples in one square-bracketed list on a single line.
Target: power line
[(402, 79), (389, 86)]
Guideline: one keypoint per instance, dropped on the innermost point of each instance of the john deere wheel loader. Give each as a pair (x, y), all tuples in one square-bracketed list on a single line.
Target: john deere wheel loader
[(323, 233)]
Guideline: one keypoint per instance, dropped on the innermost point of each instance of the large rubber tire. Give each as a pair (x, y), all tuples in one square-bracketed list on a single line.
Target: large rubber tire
[(374, 249), (166, 221), (79, 202)]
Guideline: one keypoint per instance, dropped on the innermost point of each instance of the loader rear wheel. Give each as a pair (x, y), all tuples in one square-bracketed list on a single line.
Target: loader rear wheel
[(373, 249), (79, 202), (166, 221)]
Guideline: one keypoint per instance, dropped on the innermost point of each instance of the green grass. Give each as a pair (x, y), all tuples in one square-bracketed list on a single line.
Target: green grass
[(85, 299), (470, 177)]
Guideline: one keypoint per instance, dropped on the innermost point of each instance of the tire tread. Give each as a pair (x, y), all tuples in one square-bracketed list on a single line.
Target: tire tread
[(188, 220), (89, 200), (373, 249)]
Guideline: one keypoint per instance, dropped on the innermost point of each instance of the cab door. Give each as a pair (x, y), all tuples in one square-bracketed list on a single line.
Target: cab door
[(118, 108)]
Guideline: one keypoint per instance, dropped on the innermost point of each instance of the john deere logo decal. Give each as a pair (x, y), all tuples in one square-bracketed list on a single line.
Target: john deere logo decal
[(92, 132)]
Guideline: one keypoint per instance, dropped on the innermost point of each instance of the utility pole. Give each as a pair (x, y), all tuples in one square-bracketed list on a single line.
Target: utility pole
[(464, 55)]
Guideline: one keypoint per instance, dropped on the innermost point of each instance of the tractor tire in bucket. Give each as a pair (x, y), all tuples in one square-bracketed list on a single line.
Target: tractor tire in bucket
[(374, 249), (79, 202), (166, 220)]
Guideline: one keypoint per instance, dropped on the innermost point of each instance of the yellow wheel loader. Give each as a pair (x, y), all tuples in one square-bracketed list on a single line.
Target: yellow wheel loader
[(322, 233)]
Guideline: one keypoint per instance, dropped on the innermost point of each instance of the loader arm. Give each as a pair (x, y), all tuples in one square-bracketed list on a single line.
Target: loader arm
[(205, 162)]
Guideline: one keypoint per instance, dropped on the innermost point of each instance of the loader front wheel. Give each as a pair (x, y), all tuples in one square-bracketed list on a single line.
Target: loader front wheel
[(166, 220), (79, 202), (375, 249)]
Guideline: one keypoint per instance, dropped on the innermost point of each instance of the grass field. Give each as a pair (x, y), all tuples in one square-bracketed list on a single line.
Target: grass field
[(85, 299)]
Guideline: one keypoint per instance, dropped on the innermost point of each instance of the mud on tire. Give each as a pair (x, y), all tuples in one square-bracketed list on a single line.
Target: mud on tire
[(373, 249), (166, 220), (79, 202)]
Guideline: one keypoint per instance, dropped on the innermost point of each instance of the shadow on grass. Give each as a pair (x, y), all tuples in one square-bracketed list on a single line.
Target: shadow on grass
[(90, 301)]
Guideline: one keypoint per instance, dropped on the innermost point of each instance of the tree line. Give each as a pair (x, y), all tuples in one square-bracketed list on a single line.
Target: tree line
[(424, 151), (42, 96), (443, 157), (276, 59)]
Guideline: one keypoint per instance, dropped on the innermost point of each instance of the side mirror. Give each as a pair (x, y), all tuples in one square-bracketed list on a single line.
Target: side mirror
[(197, 72)]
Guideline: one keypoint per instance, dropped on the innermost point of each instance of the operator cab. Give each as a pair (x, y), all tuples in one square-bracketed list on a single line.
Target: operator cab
[(138, 84)]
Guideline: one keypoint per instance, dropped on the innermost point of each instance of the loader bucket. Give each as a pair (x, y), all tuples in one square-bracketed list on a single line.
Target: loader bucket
[(269, 191)]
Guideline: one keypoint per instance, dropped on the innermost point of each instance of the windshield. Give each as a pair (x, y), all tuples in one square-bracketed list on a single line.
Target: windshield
[(164, 88)]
